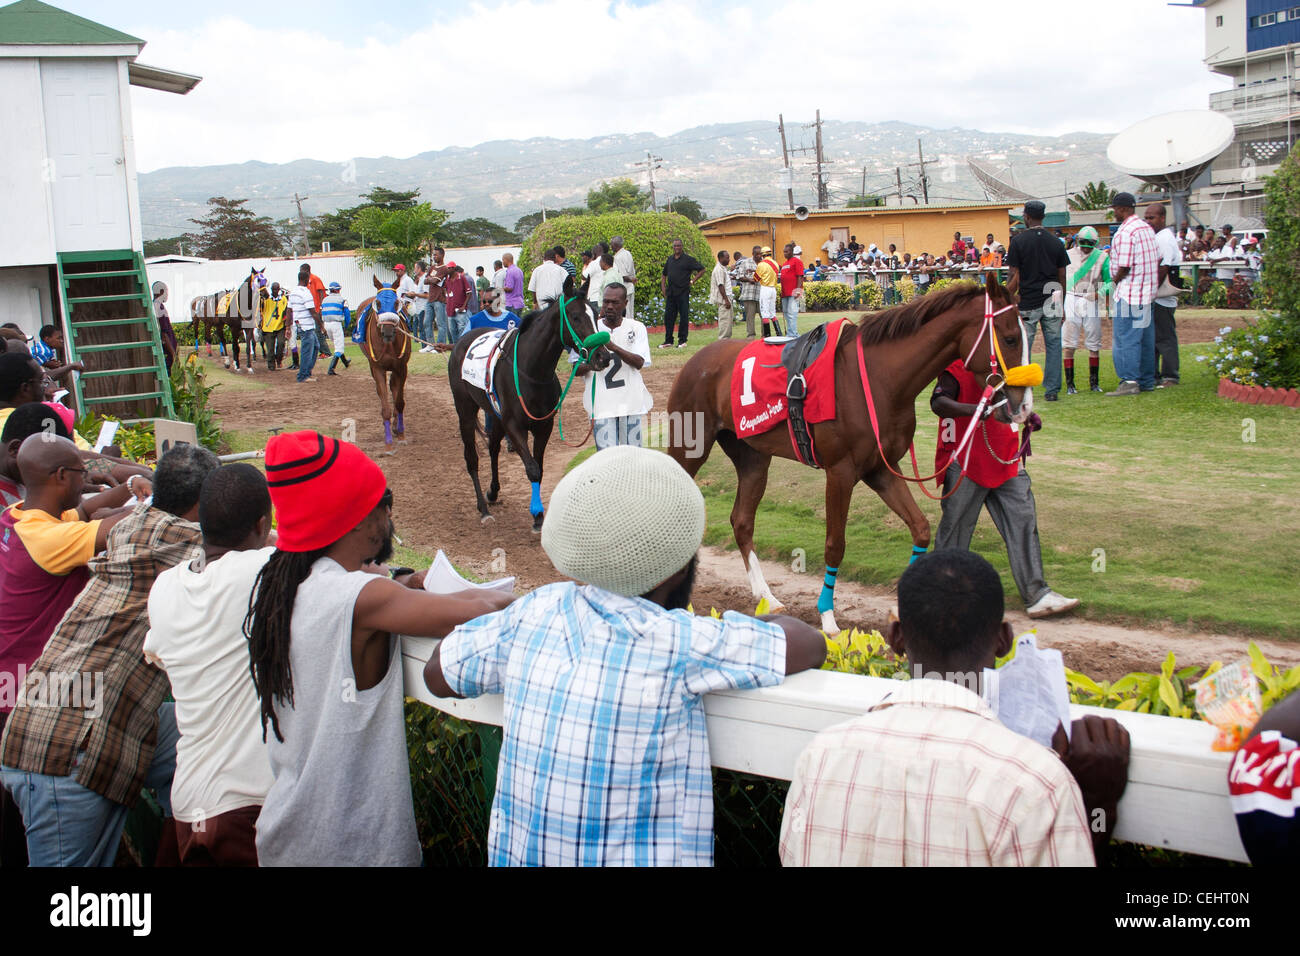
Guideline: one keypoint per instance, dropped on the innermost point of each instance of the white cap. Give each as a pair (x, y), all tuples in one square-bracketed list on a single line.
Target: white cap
[(625, 520)]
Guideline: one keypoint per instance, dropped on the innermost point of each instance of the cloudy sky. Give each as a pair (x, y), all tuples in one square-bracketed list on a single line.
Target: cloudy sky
[(290, 79)]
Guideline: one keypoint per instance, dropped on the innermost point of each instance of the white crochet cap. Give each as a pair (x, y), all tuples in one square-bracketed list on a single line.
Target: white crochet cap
[(625, 520)]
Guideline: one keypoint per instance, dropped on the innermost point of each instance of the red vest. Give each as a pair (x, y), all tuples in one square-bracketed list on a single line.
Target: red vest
[(32, 602), (985, 470)]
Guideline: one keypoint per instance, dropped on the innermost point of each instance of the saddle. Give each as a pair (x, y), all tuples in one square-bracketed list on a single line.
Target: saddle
[(797, 356)]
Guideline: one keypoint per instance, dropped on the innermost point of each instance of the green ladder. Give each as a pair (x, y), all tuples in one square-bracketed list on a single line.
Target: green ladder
[(126, 266)]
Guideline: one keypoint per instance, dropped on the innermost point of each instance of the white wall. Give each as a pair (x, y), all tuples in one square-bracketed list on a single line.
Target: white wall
[(1231, 35), (25, 298), (28, 236), (187, 280)]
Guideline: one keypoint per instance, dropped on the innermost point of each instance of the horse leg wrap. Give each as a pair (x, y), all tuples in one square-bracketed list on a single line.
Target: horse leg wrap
[(535, 505), (826, 600), (401, 425), (388, 432), (917, 551)]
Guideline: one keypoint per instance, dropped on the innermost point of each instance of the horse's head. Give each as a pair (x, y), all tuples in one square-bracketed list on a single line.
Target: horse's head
[(578, 328), (1003, 339)]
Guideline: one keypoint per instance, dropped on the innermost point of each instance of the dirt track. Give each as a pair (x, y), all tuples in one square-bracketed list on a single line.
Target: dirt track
[(434, 508)]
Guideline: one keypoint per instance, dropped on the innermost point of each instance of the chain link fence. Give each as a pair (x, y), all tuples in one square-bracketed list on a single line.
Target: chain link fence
[(453, 778)]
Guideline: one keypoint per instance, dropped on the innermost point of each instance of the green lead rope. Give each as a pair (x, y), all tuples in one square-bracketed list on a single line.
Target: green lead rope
[(585, 348)]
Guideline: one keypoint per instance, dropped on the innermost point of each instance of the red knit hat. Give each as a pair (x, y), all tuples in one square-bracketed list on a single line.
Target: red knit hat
[(321, 488)]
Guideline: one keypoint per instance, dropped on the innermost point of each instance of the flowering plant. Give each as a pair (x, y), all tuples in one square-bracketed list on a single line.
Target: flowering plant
[(1266, 353)]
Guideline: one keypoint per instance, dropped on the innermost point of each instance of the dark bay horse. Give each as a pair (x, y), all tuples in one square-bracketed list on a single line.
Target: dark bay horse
[(388, 350), (903, 350), (238, 310), (527, 389)]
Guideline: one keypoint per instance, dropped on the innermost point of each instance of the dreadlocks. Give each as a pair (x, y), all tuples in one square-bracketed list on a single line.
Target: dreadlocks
[(267, 625)]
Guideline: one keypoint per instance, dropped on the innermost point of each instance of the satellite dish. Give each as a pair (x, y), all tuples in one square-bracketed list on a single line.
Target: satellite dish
[(1170, 150), (801, 213)]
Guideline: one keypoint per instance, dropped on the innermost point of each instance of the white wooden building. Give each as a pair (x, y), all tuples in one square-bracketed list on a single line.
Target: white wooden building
[(71, 254)]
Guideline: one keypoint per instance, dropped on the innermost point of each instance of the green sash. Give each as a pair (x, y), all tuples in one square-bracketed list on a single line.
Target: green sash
[(1086, 268)]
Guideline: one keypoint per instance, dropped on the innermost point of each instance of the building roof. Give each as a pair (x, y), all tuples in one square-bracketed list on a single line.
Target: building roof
[(866, 210), (32, 23), (157, 78)]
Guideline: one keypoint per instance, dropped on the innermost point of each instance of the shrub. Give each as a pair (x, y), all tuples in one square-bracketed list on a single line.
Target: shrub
[(1215, 296), (1282, 256), (650, 309), (648, 236), (826, 296), (941, 284), (1264, 353), (904, 288), (191, 396), (136, 441), (869, 296)]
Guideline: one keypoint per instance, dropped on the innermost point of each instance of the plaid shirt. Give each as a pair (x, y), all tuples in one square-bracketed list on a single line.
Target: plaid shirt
[(606, 753), (1135, 246), (928, 777), (748, 290), (101, 638)]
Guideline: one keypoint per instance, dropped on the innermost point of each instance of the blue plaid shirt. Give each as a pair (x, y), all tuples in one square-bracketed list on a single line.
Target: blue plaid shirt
[(606, 753)]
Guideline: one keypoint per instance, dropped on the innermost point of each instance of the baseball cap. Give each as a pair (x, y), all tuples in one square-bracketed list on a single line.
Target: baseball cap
[(1035, 209), (399, 268), (334, 287), (1124, 199)]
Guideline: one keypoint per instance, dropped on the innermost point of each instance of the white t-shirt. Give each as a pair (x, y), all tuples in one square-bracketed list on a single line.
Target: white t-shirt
[(619, 389), (623, 263), (547, 282), (407, 288), (196, 622), (592, 272), (830, 247), (301, 302), (1167, 245)]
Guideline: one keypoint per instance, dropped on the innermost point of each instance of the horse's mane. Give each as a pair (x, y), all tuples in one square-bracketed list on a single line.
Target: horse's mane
[(526, 319), (903, 320)]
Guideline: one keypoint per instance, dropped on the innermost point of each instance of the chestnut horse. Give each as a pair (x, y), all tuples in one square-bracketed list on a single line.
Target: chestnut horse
[(240, 311), (388, 350), (527, 389), (903, 349)]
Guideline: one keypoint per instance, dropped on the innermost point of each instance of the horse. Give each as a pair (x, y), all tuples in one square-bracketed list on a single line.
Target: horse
[(526, 387), (239, 309), (387, 347), (903, 349)]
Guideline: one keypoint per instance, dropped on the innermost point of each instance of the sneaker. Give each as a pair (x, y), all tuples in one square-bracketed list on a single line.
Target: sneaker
[(1071, 390), (1051, 603), (1053, 397), (1126, 388), (1167, 382), (307, 379), (681, 345), (666, 345)]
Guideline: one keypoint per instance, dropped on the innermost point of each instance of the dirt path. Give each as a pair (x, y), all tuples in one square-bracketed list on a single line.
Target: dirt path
[(434, 508)]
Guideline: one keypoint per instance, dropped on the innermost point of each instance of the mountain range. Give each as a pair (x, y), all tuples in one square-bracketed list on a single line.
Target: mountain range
[(733, 167)]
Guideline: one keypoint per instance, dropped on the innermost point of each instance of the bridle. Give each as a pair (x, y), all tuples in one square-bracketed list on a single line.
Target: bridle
[(585, 347)]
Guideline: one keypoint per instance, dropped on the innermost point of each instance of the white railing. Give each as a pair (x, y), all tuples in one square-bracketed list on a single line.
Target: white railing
[(1177, 794)]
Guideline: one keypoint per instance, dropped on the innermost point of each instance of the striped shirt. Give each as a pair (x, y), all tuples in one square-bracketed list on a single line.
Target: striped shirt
[(928, 777), (1135, 246), (333, 308), (43, 353), (605, 760), (301, 303)]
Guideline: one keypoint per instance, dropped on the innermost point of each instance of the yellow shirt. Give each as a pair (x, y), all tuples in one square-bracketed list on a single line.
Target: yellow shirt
[(766, 274), (80, 442), (273, 311), (58, 545)]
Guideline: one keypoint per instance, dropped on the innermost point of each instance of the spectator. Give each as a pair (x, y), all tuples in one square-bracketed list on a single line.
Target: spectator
[(307, 322), (422, 308), (547, 281), (1264, 787), (831, 247), (958, 247), (592, 274), (1037, 261), (1163, 306), (440, 273), (605, 758), (336, 315), (610, 273), (885, 279), (512, 284), (922, 267), (498, 278), (1087, 275), (328, 669), (494, 315), (627, 272), (458, 290), (744, 270), (275, 309), (166, 334), (680, 272), (196, 617), (481, 284), (928, 776), (317, 285), (767, 274), (563, 262), (617, 398), (76, 770), (994, 478), (1134, 262), (791, 288), (720, 293)]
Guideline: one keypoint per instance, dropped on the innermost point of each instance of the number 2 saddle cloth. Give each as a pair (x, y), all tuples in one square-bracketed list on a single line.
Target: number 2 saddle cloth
[(771, 376)]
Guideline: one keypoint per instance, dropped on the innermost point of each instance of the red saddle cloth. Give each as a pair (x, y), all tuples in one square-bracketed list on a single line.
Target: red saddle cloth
[(758, 385)]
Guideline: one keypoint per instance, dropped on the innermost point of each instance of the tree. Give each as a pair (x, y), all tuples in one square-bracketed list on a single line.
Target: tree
[(164, 247), (524, 225), (231, 231), (336, 229), (863, 201), (1093, 196), (685, 206), (399, 235), (475, 232), (1281, 278), (391, 200), (617, 195)]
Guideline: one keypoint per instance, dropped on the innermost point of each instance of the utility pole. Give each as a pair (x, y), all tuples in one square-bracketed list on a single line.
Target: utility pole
[(302, 223), (925, 180), (651, 163), (898, 178), (785, 159), (821, 183), (864, 182)]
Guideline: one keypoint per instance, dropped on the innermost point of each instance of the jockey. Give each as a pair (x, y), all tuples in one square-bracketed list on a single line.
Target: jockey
[(336, 315), (1088, 274)]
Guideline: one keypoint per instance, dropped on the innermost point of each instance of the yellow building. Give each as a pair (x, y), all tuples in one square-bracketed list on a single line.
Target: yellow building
[(914, 229)]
